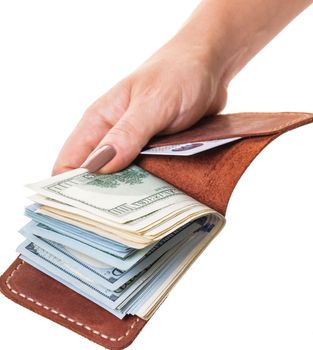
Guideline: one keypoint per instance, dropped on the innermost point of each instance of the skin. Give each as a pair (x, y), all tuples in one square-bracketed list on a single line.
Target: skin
[(184, 80)]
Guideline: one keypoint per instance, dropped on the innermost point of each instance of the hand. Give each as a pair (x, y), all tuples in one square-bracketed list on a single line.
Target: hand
[(181, 82), (168, 93)]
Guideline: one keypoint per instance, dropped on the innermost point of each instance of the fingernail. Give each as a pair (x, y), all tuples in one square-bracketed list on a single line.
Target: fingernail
[(99, 158)]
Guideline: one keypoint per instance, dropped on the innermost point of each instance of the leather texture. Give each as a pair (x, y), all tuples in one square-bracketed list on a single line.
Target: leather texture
[(40, 293), (209, 177), (235, 125)]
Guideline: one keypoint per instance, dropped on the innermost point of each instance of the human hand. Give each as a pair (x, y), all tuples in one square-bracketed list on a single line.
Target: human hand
[(181, 82), (168, 93)]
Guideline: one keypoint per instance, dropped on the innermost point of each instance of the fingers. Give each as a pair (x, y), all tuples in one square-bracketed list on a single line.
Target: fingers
[(81, 142), (152, 100), (124, 141), (96, 122)]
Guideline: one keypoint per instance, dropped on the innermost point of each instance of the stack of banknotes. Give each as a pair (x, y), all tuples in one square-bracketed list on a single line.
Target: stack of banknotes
[(121, 240)]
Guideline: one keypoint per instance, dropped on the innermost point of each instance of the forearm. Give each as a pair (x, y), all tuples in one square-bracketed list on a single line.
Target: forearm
[(234, 31)]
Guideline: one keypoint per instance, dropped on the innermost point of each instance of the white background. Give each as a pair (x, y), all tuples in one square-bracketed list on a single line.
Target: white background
[(252, 288)]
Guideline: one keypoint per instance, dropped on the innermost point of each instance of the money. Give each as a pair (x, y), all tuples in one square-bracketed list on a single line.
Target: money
[(131, 207), (121, 240), (126, 299), (77, 234), (141, 224), (43, 235), (112, 299), (133, 239), (120, 197)]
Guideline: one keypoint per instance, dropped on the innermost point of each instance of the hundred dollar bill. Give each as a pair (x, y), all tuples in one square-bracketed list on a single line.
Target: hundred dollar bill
[(119, 302), (118, 271), (79, 235), (141, 224), (67, 278), (103, 274), (119, 197), (151, 298), (104, 297), (134, 240), (102, 254)]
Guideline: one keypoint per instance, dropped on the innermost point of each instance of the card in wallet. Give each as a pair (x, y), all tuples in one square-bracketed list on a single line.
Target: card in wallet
[(209, 177)]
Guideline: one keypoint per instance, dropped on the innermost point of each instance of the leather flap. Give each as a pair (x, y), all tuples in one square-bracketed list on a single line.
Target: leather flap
[(211, 176), (235, 125)]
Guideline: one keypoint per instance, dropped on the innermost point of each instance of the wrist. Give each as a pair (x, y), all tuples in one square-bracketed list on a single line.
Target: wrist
[(229, 33), (213, 42)]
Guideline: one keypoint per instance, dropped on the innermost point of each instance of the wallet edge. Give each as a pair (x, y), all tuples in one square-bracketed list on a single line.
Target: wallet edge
[(105, 340)]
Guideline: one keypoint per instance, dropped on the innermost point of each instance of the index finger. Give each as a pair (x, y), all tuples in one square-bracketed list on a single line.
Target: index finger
[(91, 129)]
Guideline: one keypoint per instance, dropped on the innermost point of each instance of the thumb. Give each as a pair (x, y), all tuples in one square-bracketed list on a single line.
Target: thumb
[(124, 141)]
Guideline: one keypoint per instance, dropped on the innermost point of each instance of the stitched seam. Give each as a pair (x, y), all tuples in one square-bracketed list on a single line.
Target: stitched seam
[(80, 324)]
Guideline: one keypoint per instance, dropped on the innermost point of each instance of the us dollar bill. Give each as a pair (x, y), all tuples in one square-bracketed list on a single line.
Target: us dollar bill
[(109, 298), (119, 197), (141, 224), (132, 239), (112, 274), (77, 234)]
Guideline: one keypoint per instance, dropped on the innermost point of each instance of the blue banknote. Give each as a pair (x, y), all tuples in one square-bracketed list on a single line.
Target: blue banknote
[(79, 234), (45, 232), (106, 275), (129, 298), (111, 300)]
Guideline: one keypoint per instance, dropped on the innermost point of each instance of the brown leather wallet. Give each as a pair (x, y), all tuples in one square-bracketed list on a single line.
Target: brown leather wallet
[(209, 177)]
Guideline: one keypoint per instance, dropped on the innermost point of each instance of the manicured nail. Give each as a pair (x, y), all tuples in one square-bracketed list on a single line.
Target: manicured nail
[(99, 158)]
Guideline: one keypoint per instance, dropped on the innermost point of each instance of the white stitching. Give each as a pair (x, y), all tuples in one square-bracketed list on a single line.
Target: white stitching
[(105, 336)]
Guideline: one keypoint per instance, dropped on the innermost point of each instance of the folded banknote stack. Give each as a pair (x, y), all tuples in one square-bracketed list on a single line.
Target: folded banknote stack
[(121, 240)]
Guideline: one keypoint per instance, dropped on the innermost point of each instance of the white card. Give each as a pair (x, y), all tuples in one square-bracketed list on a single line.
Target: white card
[(187, 149)]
